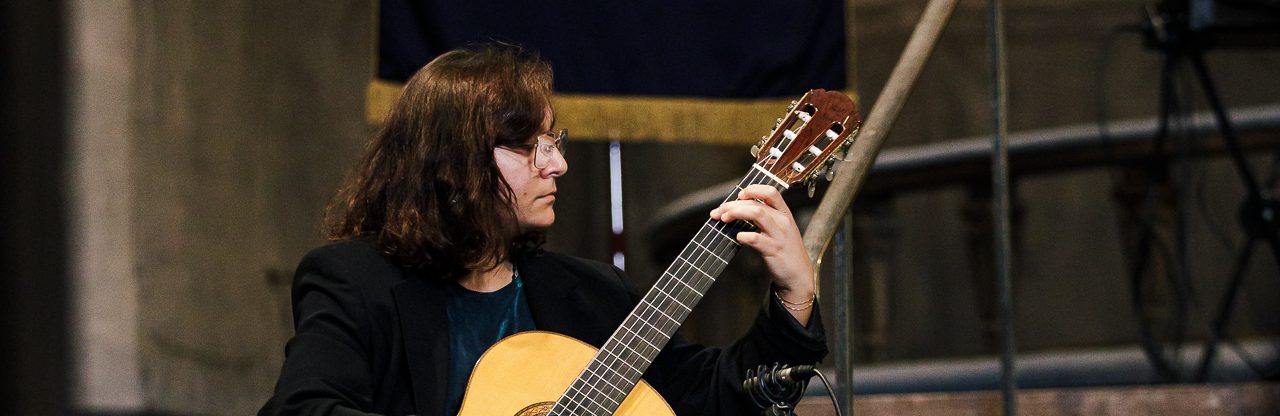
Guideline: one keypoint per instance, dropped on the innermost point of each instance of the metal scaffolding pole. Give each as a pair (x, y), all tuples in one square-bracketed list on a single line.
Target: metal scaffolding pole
[(1000, 206)]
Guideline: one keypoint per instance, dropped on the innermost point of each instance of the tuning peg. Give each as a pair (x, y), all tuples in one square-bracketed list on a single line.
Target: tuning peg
[(813, 185), (755, 150), (831, 170)]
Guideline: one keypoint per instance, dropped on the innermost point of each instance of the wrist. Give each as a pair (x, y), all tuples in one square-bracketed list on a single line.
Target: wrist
[(798, 294), (795, 303), (797, 289)]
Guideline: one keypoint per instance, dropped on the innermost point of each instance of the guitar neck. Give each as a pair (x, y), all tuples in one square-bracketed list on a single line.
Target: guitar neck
[(616, 368)]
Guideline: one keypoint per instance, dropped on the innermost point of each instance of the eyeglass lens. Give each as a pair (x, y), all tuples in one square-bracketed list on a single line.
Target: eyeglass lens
[(544, 152)]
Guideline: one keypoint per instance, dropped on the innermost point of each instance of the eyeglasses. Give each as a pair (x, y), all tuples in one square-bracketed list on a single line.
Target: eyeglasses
[(545, 150)]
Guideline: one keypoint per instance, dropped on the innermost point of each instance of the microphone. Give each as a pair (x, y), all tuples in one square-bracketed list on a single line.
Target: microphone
[(779, 374), (777, 387)]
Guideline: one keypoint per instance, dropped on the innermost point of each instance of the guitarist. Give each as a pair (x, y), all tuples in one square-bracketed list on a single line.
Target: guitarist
[(436, 258)]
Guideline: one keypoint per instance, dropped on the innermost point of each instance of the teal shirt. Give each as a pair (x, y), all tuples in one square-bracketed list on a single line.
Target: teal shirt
[(477, 321)]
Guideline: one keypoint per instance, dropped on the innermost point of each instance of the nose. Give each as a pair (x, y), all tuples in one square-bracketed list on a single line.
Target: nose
[(557, 166)]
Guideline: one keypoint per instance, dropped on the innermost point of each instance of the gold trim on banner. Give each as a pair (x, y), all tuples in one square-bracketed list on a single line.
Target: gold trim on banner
[(636, 118), (378, 98)]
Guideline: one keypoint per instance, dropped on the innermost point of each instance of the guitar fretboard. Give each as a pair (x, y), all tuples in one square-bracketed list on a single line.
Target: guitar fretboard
[(616, 368)]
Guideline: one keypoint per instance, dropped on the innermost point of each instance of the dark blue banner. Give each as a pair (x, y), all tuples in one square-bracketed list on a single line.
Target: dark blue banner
[(704, 48)]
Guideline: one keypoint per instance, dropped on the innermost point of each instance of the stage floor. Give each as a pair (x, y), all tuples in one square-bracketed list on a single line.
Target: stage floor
[(1201, 400)]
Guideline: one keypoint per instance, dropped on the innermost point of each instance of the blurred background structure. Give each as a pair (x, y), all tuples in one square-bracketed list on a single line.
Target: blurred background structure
[(164, 165)]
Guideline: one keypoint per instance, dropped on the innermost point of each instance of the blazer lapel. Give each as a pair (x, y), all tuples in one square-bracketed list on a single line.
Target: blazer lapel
[(549, 289), (425, 324)]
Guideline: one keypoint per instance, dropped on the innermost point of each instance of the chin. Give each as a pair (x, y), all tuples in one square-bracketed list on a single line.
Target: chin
[(540, 223)]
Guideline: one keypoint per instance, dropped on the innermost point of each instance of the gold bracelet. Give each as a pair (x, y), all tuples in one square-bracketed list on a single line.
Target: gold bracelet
[(788, 304)]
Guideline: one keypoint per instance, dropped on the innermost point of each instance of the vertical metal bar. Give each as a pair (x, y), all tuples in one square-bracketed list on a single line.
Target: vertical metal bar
[(842, 308), (616, 239), (1000, 198)]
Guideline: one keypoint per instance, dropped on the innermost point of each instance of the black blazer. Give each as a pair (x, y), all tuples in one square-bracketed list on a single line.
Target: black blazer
[(372, 336)]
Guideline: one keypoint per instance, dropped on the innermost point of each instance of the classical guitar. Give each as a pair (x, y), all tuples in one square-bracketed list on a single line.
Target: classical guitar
[(563, 376)]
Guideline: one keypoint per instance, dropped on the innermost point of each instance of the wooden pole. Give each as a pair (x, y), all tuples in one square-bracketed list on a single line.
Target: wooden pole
[(851, 173)]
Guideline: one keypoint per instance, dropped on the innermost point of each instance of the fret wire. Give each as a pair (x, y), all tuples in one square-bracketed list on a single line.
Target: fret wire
[(612, 355), (706, 263), (725, 228), (664, 314), (683, 301), (661, 291), (627, 334), (590, 401), (611, 350), (695, 267), (615, 371), (578, 402), (618, 357), (709, 250), (566, 406), (643, 356), (673, 301), (592, 386), (773, 179), (582, 384), (668, 299), (598, 387), (677, 306), (587, 398), (726, 236), (650, 325), (586, 405), (600, 391), (656, 348), (629, 380), (686, 284), (608, 380), (645, 332), (710, 240)]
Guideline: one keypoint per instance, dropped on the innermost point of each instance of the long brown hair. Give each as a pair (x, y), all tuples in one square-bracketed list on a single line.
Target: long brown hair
[(427, 186)]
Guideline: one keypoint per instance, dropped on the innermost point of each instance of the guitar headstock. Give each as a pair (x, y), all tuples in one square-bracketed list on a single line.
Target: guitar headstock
[(803, 142)]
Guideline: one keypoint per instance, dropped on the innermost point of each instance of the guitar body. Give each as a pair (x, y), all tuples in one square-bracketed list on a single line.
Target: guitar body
[(525, 373)]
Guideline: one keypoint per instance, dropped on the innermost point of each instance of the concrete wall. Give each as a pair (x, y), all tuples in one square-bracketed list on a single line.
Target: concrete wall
[(211, 135)]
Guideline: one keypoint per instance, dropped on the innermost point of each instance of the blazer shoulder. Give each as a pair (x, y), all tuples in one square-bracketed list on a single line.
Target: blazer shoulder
[(356, 261), (592, 272)]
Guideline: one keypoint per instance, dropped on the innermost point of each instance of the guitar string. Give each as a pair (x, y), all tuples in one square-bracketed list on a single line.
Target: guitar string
[(699, 261), (708, 242), (630, 334), (611, 354), (662, 305)]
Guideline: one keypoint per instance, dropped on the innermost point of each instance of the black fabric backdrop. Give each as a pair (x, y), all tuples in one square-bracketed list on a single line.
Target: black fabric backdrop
[(706, 48)]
